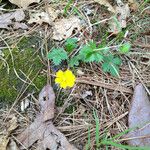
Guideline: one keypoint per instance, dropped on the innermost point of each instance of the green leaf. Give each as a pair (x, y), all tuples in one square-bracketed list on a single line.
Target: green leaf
[(70, 44), (111, 65), (57, 55), (88, 53), (68, 6), (95, 56), (114, 70), (104, 47), (74, 61), (105, 67), (117, 61), (125, 48)]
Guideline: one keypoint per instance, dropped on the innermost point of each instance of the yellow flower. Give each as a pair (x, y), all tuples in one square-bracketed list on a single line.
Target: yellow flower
[(65, 79)]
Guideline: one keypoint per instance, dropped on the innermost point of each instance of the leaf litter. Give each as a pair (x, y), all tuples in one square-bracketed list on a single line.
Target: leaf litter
[(42, 129), (64, 28), (118, 22), (139, 118), (107, 4), (4, 138), (23, 3), (43, 17), (48, 136), (6, 20)]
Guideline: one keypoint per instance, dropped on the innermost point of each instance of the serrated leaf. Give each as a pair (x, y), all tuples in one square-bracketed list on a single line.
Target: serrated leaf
[(70, 44), (57, 55), (74, 61), (105, 67), (111, 65), (95, 56), (89, 54), (125, 48), (117, 61), (85, 50), (92, 44), (114, 70), (105, 50)]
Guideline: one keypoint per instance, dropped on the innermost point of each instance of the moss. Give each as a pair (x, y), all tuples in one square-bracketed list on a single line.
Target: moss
[(70, 109), (59, 102), (26, 60)]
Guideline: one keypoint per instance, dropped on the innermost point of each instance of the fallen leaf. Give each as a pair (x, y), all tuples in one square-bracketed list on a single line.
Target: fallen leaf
[(12, 145), (47, 103), (4, 139), (133, 4), (64, 28), (47, 136), (114, 26), (23, 3), (119, 20), (123, 12), (46, 17), (107, 4), (18, 25), (42, 129), (52, 13), (43, 17), (139, 118), (12, 124), (39, 18), (6, 19), (3, 142)]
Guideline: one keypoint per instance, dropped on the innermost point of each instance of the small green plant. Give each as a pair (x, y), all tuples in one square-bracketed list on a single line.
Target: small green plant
[(102, 141), (57, 55), (87, 147), (70, 44), (89, 53), (125, 48), (97, 133), (111, 64), (67, 6)]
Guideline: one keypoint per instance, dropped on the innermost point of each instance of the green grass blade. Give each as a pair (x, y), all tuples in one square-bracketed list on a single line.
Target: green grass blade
[(89, 140), (125, 147), (97, 136)]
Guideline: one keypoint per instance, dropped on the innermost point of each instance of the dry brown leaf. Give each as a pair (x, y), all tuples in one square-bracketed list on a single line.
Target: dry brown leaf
[(47, 103), (52, 13), (6, 19), (107, 4), (23, 3), (3, 142), (117, 23), (64, 28), (47, 136), (12, 145), (139, 115), (40, 17), (12, 124), (42, 129), (133, 4), (123, 12), (4, 139), (18, 25)]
